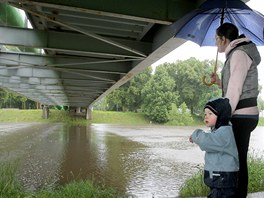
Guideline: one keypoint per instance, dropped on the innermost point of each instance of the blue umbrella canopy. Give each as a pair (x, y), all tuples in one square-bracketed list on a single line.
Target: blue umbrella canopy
[(200, 25)]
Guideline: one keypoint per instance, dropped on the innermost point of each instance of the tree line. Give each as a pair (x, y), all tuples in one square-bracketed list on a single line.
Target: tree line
[(9, 99), (172, 92)]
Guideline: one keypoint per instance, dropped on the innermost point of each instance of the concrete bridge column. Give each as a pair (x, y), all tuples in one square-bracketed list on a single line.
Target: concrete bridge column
[(88, 113), (45, 112), (78, 110)]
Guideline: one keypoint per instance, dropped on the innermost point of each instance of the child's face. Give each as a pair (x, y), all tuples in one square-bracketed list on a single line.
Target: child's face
[(209, 118)]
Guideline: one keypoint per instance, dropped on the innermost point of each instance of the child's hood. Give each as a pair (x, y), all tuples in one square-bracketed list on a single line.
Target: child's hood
[(222, 109)]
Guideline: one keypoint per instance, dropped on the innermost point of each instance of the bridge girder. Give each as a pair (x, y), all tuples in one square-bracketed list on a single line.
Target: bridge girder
[(86, 49)]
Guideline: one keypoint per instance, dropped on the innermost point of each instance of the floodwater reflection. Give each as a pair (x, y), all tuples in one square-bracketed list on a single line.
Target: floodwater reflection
[(142, 161), (139, 161), (96, 156)]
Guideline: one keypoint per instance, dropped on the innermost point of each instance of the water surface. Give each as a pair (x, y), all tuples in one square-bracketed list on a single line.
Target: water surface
[(142, 161)]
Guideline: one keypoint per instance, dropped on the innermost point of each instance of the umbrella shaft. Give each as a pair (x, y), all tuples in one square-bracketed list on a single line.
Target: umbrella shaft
[(216, 60)]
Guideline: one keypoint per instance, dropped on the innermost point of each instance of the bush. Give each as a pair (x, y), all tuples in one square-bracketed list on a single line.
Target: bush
[(180, 116)]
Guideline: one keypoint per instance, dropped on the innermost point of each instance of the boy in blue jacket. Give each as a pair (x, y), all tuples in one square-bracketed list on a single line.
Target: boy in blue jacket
[(221, 156)]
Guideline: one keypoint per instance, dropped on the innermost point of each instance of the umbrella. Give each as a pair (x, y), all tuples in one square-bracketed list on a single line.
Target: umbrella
[(200, 25)]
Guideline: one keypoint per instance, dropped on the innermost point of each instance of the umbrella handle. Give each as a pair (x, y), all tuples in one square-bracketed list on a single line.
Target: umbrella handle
[(207, 83), (214, 72)]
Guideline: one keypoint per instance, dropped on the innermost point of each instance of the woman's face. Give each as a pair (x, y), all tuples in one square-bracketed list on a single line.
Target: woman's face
[(221, 43)]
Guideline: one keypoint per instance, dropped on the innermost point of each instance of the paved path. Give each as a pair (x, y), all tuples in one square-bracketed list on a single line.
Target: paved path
[(256, 195), (250, 195)]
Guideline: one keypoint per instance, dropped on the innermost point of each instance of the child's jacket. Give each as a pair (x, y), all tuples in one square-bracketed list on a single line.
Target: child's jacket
[(220, 149)]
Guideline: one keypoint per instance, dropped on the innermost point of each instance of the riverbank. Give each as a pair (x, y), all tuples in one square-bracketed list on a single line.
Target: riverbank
[(109, 117), (98, 117)]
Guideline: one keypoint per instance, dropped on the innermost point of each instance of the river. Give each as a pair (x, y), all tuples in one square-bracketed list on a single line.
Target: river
[(139, 161)]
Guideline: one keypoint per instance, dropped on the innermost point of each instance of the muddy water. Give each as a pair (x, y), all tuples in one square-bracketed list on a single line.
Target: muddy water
[(143, 161)]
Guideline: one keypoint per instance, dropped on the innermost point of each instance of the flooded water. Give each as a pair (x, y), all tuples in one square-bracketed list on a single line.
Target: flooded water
[(143, 161)]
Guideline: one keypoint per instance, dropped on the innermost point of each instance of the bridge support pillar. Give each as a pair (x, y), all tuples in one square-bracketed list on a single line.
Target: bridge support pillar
[(45, 112), (88, 113), (78, 110)]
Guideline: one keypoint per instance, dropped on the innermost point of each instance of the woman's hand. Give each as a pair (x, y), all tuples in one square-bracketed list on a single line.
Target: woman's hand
[(215, 79)]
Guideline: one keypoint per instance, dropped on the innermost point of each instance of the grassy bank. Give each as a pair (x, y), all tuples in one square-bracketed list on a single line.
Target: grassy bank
[(10, 187), (104, 117), (109, 117), (98, 117), (195, 187)]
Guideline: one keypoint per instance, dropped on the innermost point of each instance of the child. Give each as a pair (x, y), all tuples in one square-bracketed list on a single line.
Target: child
[(221, 156)]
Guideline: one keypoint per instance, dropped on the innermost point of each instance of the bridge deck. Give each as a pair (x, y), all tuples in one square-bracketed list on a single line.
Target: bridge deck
[(80, 51)]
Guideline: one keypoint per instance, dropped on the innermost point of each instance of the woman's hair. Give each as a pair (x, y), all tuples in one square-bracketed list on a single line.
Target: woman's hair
[(228, 30)]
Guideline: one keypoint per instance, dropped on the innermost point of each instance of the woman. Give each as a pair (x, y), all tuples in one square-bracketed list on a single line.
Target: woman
[(239, 83)]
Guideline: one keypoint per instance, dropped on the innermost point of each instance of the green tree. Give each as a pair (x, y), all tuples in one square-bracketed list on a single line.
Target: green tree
[(6, 98), (179, 116), (115, 99), (9, 99), (128, 96), (23, 99), (158, 96), (188, 76), (136, 85), (101, 105)]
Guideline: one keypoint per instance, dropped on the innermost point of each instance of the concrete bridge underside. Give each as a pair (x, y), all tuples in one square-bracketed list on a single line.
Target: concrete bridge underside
[(85, 49)]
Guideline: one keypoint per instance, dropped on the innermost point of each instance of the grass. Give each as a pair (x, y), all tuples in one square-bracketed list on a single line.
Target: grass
[(109, 117), (103, 117), (80, 189), (256, 173), (10, 187), (112, 117), (195, 187), (15, 115)]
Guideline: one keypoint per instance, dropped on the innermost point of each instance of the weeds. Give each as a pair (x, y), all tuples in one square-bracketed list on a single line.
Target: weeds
[(195, 186), (10, 187), (256, 172)]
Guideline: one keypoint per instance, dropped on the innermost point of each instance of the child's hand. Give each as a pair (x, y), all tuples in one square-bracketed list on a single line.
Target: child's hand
[(190, 139)]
